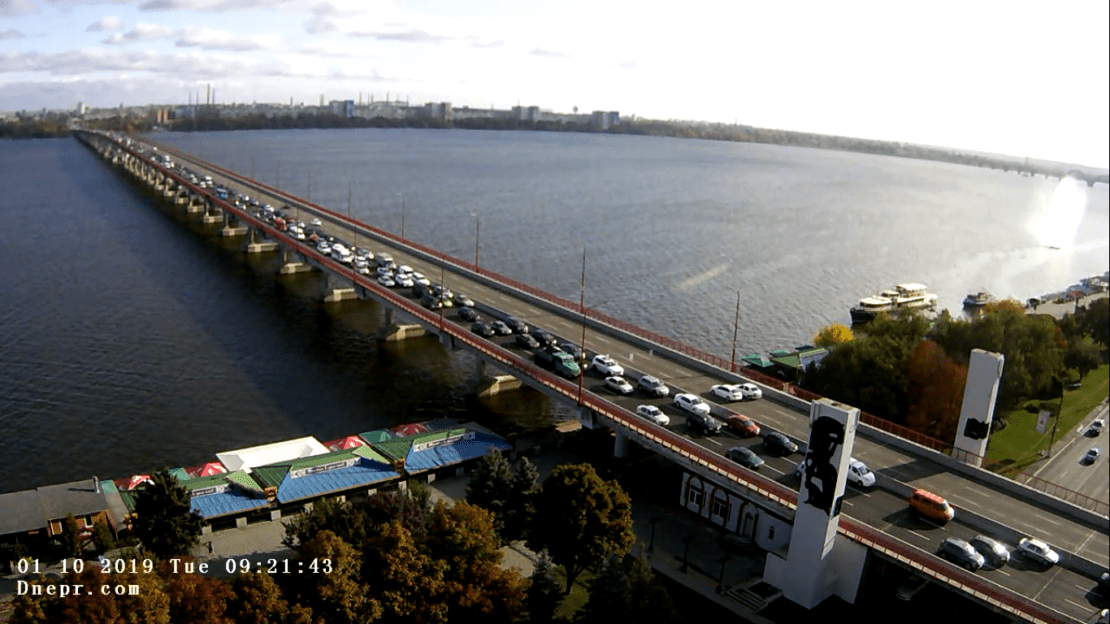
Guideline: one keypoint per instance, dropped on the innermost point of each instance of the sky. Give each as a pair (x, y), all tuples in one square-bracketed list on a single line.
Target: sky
[(1015, 77)]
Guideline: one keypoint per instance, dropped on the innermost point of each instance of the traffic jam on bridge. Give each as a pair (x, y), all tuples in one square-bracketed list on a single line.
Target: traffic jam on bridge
[(1014, 563)]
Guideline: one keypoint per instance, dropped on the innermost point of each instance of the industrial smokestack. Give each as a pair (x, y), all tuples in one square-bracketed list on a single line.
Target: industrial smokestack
[(208, 94)]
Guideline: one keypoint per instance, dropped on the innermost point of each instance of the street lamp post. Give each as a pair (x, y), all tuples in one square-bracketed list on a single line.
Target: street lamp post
[(735, 330), (582, 309), (477, 234), (686, 553), (402, 195), (721, 576)]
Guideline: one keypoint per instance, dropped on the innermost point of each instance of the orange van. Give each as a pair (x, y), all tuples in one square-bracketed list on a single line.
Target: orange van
[(931, 506)]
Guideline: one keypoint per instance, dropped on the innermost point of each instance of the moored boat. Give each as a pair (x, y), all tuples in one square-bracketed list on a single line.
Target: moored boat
[(910, 296), (978, 300)]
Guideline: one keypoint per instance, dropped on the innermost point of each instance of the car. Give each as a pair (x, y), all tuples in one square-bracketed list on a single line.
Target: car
[(431, 302), (910, 588), (751, 391), (742, 425), (606, 365), (404, 268), (387, 281), (524, 341), (420, 279), (518, 326), (554, 359), (404, 280), (385, 271), (653, 414), (1096, 427), (468, 314), (960, 553), (653, 386), (930, 505), (727, 392), (859, 473), (745, 457), (1092, 455), (691, 403), (618, 384), (317, 222), (574, 350), (543, 337), (1038, 551), (779, 444), (500, 328), (462, 300), (703, 423), (994, 551), (482, 329)]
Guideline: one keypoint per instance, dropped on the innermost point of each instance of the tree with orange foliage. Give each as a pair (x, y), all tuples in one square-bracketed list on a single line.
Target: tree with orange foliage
[(935, 391), (832, 335), (194, 598)]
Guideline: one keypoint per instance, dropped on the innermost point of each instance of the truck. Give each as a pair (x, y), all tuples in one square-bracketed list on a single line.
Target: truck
[(559, 361)]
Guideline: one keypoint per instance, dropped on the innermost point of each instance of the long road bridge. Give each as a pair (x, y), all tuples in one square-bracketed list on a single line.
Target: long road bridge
[(750, 503)]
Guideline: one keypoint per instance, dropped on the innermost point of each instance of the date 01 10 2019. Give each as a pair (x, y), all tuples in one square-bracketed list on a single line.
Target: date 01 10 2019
[(187, 566)]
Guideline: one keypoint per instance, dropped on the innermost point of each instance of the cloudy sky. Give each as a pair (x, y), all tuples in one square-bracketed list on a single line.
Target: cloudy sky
[(1016, 77)]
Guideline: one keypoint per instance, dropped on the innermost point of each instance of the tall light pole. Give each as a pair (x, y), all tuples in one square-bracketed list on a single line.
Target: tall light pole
[(402, 196), (735, 330), (582, 309), (477, 234)]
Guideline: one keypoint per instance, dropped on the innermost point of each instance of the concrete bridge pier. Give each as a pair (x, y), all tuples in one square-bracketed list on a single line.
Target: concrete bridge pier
[(212, 214), (337, 289), (620, 446), (291, 262), (392, 333), (254, 245), (497, 384), (195, 205), (170, 190), (232, 226)]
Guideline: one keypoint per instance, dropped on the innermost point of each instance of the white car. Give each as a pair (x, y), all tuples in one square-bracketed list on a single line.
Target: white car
[(607, 365), (404, 280), (385, 272), (728, 392), (858, 473), (691, 404), (387, 281), (751, 391), (1096, 427), (419, 278), (618, 384), (404, 268), (653, 414), (1038, 551)]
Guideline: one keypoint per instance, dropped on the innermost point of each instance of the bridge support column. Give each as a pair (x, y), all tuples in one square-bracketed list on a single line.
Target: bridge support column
[(291, 262), (232, 227), (447, 340), (620, 446), (393, 333), (213, 215), (254, 245), (498, 384), (338, 289)]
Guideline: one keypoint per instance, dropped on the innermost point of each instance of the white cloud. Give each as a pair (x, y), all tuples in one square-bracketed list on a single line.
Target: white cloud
[(548, 53), (141, 32), (15, 8), (11, 33), (210, 39), (105, 23)]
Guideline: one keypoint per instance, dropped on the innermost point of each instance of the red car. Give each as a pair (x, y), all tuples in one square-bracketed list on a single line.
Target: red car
[(742, 425)]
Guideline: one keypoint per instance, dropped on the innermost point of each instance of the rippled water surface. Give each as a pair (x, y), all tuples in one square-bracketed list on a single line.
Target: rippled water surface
[(132, 340)]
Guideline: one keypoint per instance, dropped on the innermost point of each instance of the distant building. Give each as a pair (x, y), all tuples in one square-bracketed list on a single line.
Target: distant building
[(603, 120), (343, 108)]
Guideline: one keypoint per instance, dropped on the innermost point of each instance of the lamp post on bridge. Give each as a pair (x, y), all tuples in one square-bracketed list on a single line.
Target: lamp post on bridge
[(735, 331), (402, 196), (477, 234)]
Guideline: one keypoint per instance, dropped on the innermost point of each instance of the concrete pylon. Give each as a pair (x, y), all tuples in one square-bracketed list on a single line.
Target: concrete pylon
[(984, 373), (818, 565)]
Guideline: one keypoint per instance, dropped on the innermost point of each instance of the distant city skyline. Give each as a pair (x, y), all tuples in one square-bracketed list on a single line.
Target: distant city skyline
[(1011, 78)]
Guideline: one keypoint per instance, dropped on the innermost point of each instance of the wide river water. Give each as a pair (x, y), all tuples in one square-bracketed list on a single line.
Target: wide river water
[(132, 340)]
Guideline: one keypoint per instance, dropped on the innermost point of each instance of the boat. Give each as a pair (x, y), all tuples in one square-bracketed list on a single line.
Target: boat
[(978, 300), (910, 296)]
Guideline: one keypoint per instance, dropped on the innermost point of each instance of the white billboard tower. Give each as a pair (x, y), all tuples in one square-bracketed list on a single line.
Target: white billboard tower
[(984, 371)]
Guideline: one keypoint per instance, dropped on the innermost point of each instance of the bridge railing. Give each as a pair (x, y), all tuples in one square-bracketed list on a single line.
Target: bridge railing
[(1063, 493), (939, 570)]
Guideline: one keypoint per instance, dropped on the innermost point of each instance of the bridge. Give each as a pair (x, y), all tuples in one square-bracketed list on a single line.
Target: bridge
[(760, 508)]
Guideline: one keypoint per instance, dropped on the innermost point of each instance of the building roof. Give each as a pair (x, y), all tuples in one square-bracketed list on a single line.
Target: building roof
[(473, 446), (373, 437), (324, 474), (32, 510), (248, 458), (799, 359), (758, 360)]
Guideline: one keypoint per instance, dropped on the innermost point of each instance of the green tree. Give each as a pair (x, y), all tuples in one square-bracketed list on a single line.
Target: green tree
[(1095, 321), (491, 486), (581, 519), (649, 600), (521, 509), (544, 594), (164, 521), (104, 538), (1082, 354), (609, 594), (70, 539)]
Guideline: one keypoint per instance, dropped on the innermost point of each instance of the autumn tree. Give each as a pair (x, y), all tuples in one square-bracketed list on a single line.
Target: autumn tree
[(164, 520), (334, 591), (581, 519), (70, 539), (476, 588), (258, 599), (544, 594), (936, 390), (194, 598), (150, 605), (832, 335), (406, 582)]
